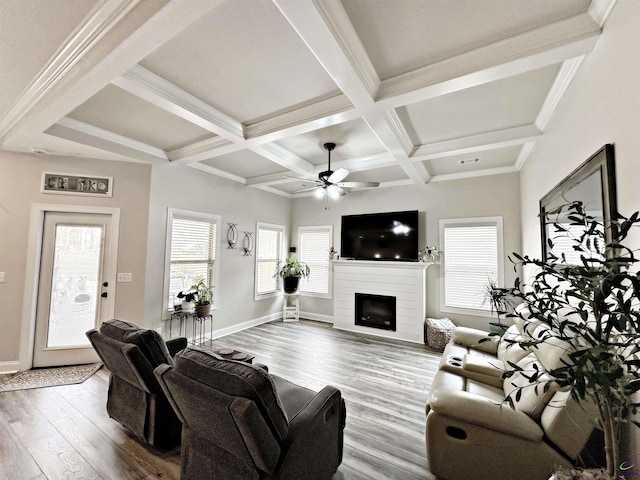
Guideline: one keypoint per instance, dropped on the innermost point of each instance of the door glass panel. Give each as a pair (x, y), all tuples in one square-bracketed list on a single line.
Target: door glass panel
[(75, 286)]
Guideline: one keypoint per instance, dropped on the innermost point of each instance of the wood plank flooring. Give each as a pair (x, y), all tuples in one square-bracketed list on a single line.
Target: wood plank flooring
[(65, 433)]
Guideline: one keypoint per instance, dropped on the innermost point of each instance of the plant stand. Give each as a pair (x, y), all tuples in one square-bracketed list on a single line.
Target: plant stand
[(291, 307)]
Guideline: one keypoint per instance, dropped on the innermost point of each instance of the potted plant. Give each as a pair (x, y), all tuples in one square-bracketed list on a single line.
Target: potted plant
[(199, 294), (430, 253), (291, 272), (501, 302), (594, 307)]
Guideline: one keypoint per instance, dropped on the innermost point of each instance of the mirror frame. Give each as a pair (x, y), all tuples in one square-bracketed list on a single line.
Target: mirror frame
[(602, 161)]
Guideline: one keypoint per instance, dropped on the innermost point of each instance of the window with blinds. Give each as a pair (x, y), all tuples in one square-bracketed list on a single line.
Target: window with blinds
[(472, 258), (313, 245), (192, 241), (269, 247)]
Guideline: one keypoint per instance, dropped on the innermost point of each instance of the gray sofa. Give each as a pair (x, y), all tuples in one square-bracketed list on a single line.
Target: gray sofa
[(135, 398), (240, 422), (472, 433)]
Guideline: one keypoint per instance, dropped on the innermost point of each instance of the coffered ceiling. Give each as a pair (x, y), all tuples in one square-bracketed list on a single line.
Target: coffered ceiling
[(411, 91)]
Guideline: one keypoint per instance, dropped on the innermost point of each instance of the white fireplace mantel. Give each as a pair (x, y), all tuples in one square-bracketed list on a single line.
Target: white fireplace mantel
[(404, 280)]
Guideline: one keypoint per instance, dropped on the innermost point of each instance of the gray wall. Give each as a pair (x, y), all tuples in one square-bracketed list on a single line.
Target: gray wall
[(182, 187), (20, 177), (602, 105), (496, 195)]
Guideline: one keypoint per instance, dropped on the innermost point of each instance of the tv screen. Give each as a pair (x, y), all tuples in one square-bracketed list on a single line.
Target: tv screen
[(380, 236)]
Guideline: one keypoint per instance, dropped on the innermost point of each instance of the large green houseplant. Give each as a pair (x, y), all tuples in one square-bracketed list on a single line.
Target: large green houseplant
[(291, 271), (593, 306)]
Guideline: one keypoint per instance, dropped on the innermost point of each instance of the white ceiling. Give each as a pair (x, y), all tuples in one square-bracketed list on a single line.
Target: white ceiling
[(411, 91)]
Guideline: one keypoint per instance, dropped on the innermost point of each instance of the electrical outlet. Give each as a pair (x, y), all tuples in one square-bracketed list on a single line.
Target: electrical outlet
[(124, 277), (1, 277)]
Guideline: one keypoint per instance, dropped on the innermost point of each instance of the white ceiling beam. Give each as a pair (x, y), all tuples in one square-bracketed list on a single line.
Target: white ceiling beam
[(563, 79), (474, 143), (102, 18), (284, 158), (528, 51), (152, 26), (599, 10), (81, 132), (318, 114), (325, 28), (156, 90), (216, 171)]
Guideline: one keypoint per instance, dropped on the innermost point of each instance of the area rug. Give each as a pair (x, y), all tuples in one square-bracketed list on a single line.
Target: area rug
[(50, 377)]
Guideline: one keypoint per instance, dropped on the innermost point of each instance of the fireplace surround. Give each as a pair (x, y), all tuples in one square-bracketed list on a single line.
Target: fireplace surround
[(406, 281)]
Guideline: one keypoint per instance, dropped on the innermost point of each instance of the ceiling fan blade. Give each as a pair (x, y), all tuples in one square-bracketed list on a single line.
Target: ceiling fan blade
[(306, 189), (338, 175), (358, 184)]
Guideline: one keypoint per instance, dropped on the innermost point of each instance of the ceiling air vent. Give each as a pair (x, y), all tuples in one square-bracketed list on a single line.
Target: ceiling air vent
[(467, 161)]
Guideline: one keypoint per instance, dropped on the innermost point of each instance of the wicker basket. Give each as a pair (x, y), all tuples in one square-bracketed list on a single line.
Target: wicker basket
[(438, 332)]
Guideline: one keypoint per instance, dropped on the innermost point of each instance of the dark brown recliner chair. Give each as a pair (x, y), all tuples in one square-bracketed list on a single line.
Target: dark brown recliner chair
[(135, 398), (240, 422)]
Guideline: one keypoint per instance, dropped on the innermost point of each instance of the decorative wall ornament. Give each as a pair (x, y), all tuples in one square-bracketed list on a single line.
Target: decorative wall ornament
[(66, 184), (232, 235), (247, 243)]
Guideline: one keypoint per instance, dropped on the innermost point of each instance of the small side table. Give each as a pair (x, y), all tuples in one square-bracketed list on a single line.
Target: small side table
[(291, 307), (198, 325)]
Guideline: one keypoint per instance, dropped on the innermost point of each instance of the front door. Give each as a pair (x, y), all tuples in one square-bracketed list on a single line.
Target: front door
[(73, 291)]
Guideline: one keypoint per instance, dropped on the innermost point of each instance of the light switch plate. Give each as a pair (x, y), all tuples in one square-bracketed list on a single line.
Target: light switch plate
[(124, 277), (1, 277)]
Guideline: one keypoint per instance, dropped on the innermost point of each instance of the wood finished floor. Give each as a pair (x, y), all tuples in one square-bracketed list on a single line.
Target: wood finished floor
[(65, 433)]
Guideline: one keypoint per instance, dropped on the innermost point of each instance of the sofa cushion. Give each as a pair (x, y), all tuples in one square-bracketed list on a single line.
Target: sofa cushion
[(507, 350), (238, 380), (149, 341), (530, 398)]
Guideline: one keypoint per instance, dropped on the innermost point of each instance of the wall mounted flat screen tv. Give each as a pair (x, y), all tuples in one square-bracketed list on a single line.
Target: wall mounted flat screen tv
[(380, 236)]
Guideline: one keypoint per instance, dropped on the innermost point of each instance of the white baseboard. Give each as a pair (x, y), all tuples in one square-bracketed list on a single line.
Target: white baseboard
[(318, 317), (221, 332), (9, 367)]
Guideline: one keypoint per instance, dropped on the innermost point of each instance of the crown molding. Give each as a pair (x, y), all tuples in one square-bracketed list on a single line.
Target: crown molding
[(156, 90), (201, 150), (525, 151), (562, 81), (474, 143), (473, 174), (524, 52), (321, 113), (84, 133), (600, 10), (216, 171), (78, 45)]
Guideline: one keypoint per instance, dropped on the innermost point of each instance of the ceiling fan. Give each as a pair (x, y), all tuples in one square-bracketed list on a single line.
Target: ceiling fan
[(329, 183)]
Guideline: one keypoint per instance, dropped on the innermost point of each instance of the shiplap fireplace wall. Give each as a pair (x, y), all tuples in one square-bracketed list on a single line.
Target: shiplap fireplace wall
[(404, 280)]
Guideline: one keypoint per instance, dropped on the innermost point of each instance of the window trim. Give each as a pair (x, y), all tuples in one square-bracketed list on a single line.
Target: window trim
[(197, 216), (329, 293), (278, 291), (474, 221)]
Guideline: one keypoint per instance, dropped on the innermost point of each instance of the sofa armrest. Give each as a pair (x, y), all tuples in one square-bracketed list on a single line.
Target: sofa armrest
[(175, 345), (477, 410), (315, 439), (477, 339)]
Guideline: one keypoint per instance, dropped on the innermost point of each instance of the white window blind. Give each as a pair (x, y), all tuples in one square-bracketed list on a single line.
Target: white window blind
[(192, 252), (472, 253), (314, 244), (268, 254)]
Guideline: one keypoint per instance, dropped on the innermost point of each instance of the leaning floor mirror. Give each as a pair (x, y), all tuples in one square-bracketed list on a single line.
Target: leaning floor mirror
[(594, 184)]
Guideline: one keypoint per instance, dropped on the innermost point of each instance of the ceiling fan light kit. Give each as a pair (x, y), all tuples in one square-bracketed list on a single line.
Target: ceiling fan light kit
[(329, 183)]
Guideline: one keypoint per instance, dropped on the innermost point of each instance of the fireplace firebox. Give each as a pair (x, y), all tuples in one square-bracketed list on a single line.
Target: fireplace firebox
[(376, 311)]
